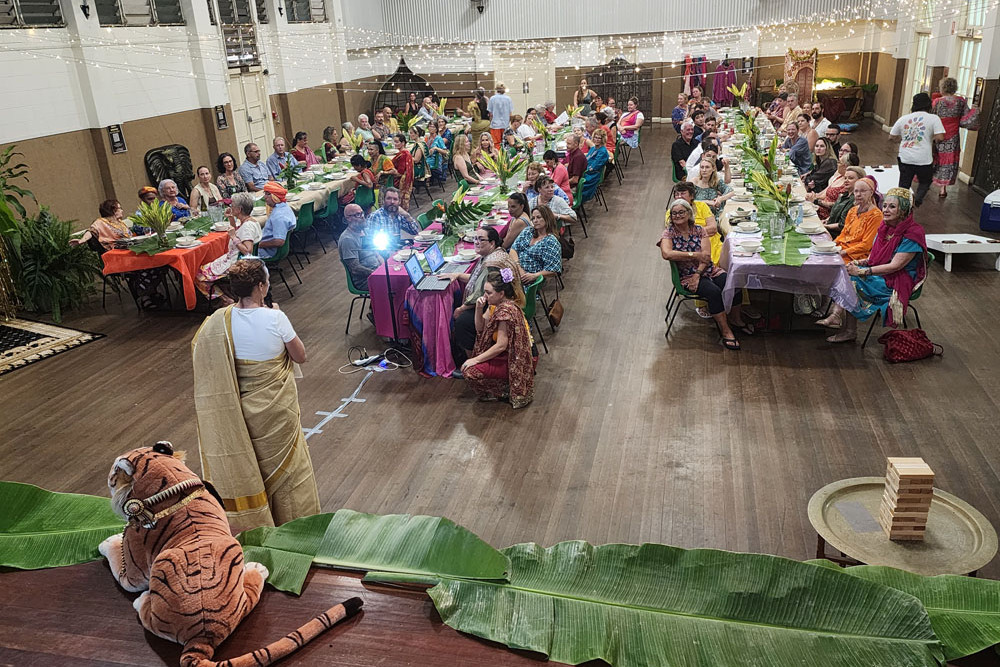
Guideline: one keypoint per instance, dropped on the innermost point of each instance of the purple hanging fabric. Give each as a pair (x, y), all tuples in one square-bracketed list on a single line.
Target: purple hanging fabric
[(725, 75)]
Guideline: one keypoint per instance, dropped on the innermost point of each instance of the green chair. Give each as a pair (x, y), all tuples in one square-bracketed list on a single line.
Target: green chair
[(581, 213), (273, 263), (358, 294), (599, 192), (913, 297), (331, 209), (678, 295), (424, 221), (364, 197), (531, 307), (320, 156), (304, 225)]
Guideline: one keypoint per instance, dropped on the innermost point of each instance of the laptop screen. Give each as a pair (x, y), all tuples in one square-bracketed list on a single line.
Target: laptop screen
[(433, 257), (413, 268)]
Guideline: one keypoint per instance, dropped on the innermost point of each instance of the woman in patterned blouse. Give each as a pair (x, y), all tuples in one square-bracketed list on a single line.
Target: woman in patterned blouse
[(686, 244), (537, 248)]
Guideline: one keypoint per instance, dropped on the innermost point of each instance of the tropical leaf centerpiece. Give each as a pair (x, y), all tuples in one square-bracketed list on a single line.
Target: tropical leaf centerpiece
[(441, 103), (156, 216), (460, 214), (573, 111), (288, 175), (765, 162), (356, 140), (740, 96), (541, 129), (504, 166)]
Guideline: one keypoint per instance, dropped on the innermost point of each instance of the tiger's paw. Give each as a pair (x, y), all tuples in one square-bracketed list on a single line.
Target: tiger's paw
[(137, 603), (111, 549), (257, 567)]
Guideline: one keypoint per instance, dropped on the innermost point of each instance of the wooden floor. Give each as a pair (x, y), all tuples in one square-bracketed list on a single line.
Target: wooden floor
[(630, 438)]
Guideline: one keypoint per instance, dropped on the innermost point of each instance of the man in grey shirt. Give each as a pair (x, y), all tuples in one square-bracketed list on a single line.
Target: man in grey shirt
[(500, 107), (358, 256)]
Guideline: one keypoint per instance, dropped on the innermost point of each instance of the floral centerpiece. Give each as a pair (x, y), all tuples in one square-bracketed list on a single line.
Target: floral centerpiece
[(460, 214), (740, 96), (504, 166), (156, 216)]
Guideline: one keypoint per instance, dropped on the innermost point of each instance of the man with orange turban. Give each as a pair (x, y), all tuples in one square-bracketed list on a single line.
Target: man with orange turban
[(279, 224)]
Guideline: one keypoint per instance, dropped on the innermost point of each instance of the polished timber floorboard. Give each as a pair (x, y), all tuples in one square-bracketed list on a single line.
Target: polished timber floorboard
[(631, 438)]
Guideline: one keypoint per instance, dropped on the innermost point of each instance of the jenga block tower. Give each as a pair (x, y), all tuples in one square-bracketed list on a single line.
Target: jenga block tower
[(909, 487)]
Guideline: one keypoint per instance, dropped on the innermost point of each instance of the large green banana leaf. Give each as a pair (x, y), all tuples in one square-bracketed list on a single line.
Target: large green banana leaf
[(659, 605), (40, 528), (964, 611), (399, 543)]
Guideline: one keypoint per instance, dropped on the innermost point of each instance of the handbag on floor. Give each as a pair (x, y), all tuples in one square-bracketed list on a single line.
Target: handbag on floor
[(555, 312), (908, 345)]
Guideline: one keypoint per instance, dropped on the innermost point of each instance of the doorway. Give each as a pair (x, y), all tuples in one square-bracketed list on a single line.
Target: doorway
[(529, 78), (251, 109)]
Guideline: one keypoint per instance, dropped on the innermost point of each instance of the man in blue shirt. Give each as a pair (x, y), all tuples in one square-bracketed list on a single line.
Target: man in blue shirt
[(253, 171), (798, 150), (500, 107), (279, 224), (391, 219), (279, 159)]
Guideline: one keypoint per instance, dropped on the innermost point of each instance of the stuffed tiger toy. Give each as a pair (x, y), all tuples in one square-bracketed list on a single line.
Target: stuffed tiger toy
[(178, 550)]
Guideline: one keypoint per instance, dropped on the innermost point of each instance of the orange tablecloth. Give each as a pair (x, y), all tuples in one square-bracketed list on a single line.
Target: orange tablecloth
[(186, 261)]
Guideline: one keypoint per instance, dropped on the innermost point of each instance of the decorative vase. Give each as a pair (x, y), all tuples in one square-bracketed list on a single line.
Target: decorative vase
[(161, 239)]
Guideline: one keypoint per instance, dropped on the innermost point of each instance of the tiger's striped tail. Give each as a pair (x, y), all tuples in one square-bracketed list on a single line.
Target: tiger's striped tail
[(196, 655)]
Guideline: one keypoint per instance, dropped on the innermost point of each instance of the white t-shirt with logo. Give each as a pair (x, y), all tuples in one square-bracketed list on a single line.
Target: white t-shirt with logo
[(916, 131)]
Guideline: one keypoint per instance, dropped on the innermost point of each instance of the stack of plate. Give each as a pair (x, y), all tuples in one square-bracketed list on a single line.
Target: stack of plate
[(824, 246)]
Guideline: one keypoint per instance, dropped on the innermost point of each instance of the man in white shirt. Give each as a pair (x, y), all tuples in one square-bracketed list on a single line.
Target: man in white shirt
[(819, 121), (917, 131), (500, 107)]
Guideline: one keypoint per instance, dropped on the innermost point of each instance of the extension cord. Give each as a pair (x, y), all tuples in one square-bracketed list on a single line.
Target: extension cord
[(368, 360)]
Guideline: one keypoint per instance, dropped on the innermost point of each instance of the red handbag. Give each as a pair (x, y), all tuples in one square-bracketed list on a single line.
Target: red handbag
[(908, 345)]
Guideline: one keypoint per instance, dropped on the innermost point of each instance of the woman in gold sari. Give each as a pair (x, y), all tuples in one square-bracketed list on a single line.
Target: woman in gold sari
[(250, 437)]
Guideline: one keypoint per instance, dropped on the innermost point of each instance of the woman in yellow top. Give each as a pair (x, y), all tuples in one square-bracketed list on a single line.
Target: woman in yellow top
[(862, 222), (382, 165), (111, 226), (703, 216), (479, 124)]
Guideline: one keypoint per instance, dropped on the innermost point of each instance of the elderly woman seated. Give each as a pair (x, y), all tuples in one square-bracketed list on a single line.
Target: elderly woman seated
[(244, 233), (686, 244), (169, 194), (887, 278), (107, 229)]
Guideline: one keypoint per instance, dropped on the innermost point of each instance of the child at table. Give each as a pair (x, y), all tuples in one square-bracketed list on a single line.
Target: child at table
[(362, 191)]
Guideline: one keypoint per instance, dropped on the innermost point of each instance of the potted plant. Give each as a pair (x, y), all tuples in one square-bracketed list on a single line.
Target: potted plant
[(157, 216), (11, 210)]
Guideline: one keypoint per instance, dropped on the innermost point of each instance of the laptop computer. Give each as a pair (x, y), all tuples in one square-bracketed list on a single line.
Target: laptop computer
[(434, 258), (421, 282)]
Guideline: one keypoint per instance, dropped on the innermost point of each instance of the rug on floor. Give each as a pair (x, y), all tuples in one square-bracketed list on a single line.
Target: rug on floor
[(24, 342)]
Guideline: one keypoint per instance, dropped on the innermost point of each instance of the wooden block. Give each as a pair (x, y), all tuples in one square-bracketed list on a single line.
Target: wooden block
[(907, 502), (920, 469)]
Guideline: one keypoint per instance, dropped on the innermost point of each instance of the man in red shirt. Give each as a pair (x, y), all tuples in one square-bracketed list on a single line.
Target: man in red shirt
[(576, 161), (550, 114)]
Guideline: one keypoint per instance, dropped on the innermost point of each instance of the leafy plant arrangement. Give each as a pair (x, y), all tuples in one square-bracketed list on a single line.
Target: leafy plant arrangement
[(356, 140), (288, 174), (767, 163), (49, 274), (504, 166), (156, 216), (11, 210), (461, 214), (740, 95), (541, 129), (573, 111), (441, 103), (626, 604), (406, 121)]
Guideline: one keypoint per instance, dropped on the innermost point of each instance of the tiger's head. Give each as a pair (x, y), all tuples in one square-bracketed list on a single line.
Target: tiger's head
[(144, 472)]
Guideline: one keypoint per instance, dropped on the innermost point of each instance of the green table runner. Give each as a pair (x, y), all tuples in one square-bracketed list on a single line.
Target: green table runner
[(785, 250), (193, 227)]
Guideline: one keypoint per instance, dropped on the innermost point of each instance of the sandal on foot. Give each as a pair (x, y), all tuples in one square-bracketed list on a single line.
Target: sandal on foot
[(842, 337), (703, 313), (829, 322), (745, 328), (730, 343)]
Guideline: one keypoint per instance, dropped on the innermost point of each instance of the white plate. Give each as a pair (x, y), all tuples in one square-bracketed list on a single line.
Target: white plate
[(221, 228), (817, 251), (745, 199), (315, 186), (458, 259), (193, 245), (810, 232), (737, 230), (740, 249)]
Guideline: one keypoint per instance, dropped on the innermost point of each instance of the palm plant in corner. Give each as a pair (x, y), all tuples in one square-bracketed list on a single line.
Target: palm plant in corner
[(504, 166), (156, 216)]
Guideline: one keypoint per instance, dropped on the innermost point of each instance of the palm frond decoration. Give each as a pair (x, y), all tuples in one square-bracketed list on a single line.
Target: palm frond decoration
[(460, 214), (441, 104), (573, 111), (156, 216), (356, 141), (541, 129), (504, 166)]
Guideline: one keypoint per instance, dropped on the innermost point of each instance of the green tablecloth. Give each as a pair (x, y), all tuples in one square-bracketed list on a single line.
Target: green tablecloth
[(786, 250)]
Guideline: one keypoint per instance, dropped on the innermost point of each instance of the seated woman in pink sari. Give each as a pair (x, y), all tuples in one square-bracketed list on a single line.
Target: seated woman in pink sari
[(630, 123), (502, 367), (895, 268)]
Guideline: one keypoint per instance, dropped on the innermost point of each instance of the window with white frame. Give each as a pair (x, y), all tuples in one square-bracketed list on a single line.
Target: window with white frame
[(30, 13), (968, 62), (138, 12), (918, 74), (925, 17), (975, 13)]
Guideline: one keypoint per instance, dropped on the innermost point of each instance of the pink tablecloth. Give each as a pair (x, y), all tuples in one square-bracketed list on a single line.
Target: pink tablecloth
[(431, 316), (821, 275), (399, 282)]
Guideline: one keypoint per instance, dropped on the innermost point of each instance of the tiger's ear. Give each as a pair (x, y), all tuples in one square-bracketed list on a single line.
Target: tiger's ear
[(164, 447), (180, 455)]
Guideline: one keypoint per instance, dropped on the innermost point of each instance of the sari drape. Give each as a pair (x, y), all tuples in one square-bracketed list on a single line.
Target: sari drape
[(488, 379), (250, 437), (403, 162), (901, 282)]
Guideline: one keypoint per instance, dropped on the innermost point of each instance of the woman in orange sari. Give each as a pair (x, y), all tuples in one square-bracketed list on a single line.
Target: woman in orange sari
[(862, 221), (502, 366), (403, 162)]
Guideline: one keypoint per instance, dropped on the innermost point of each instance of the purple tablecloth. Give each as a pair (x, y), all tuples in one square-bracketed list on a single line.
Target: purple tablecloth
[(431, 315), (821, 275)]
